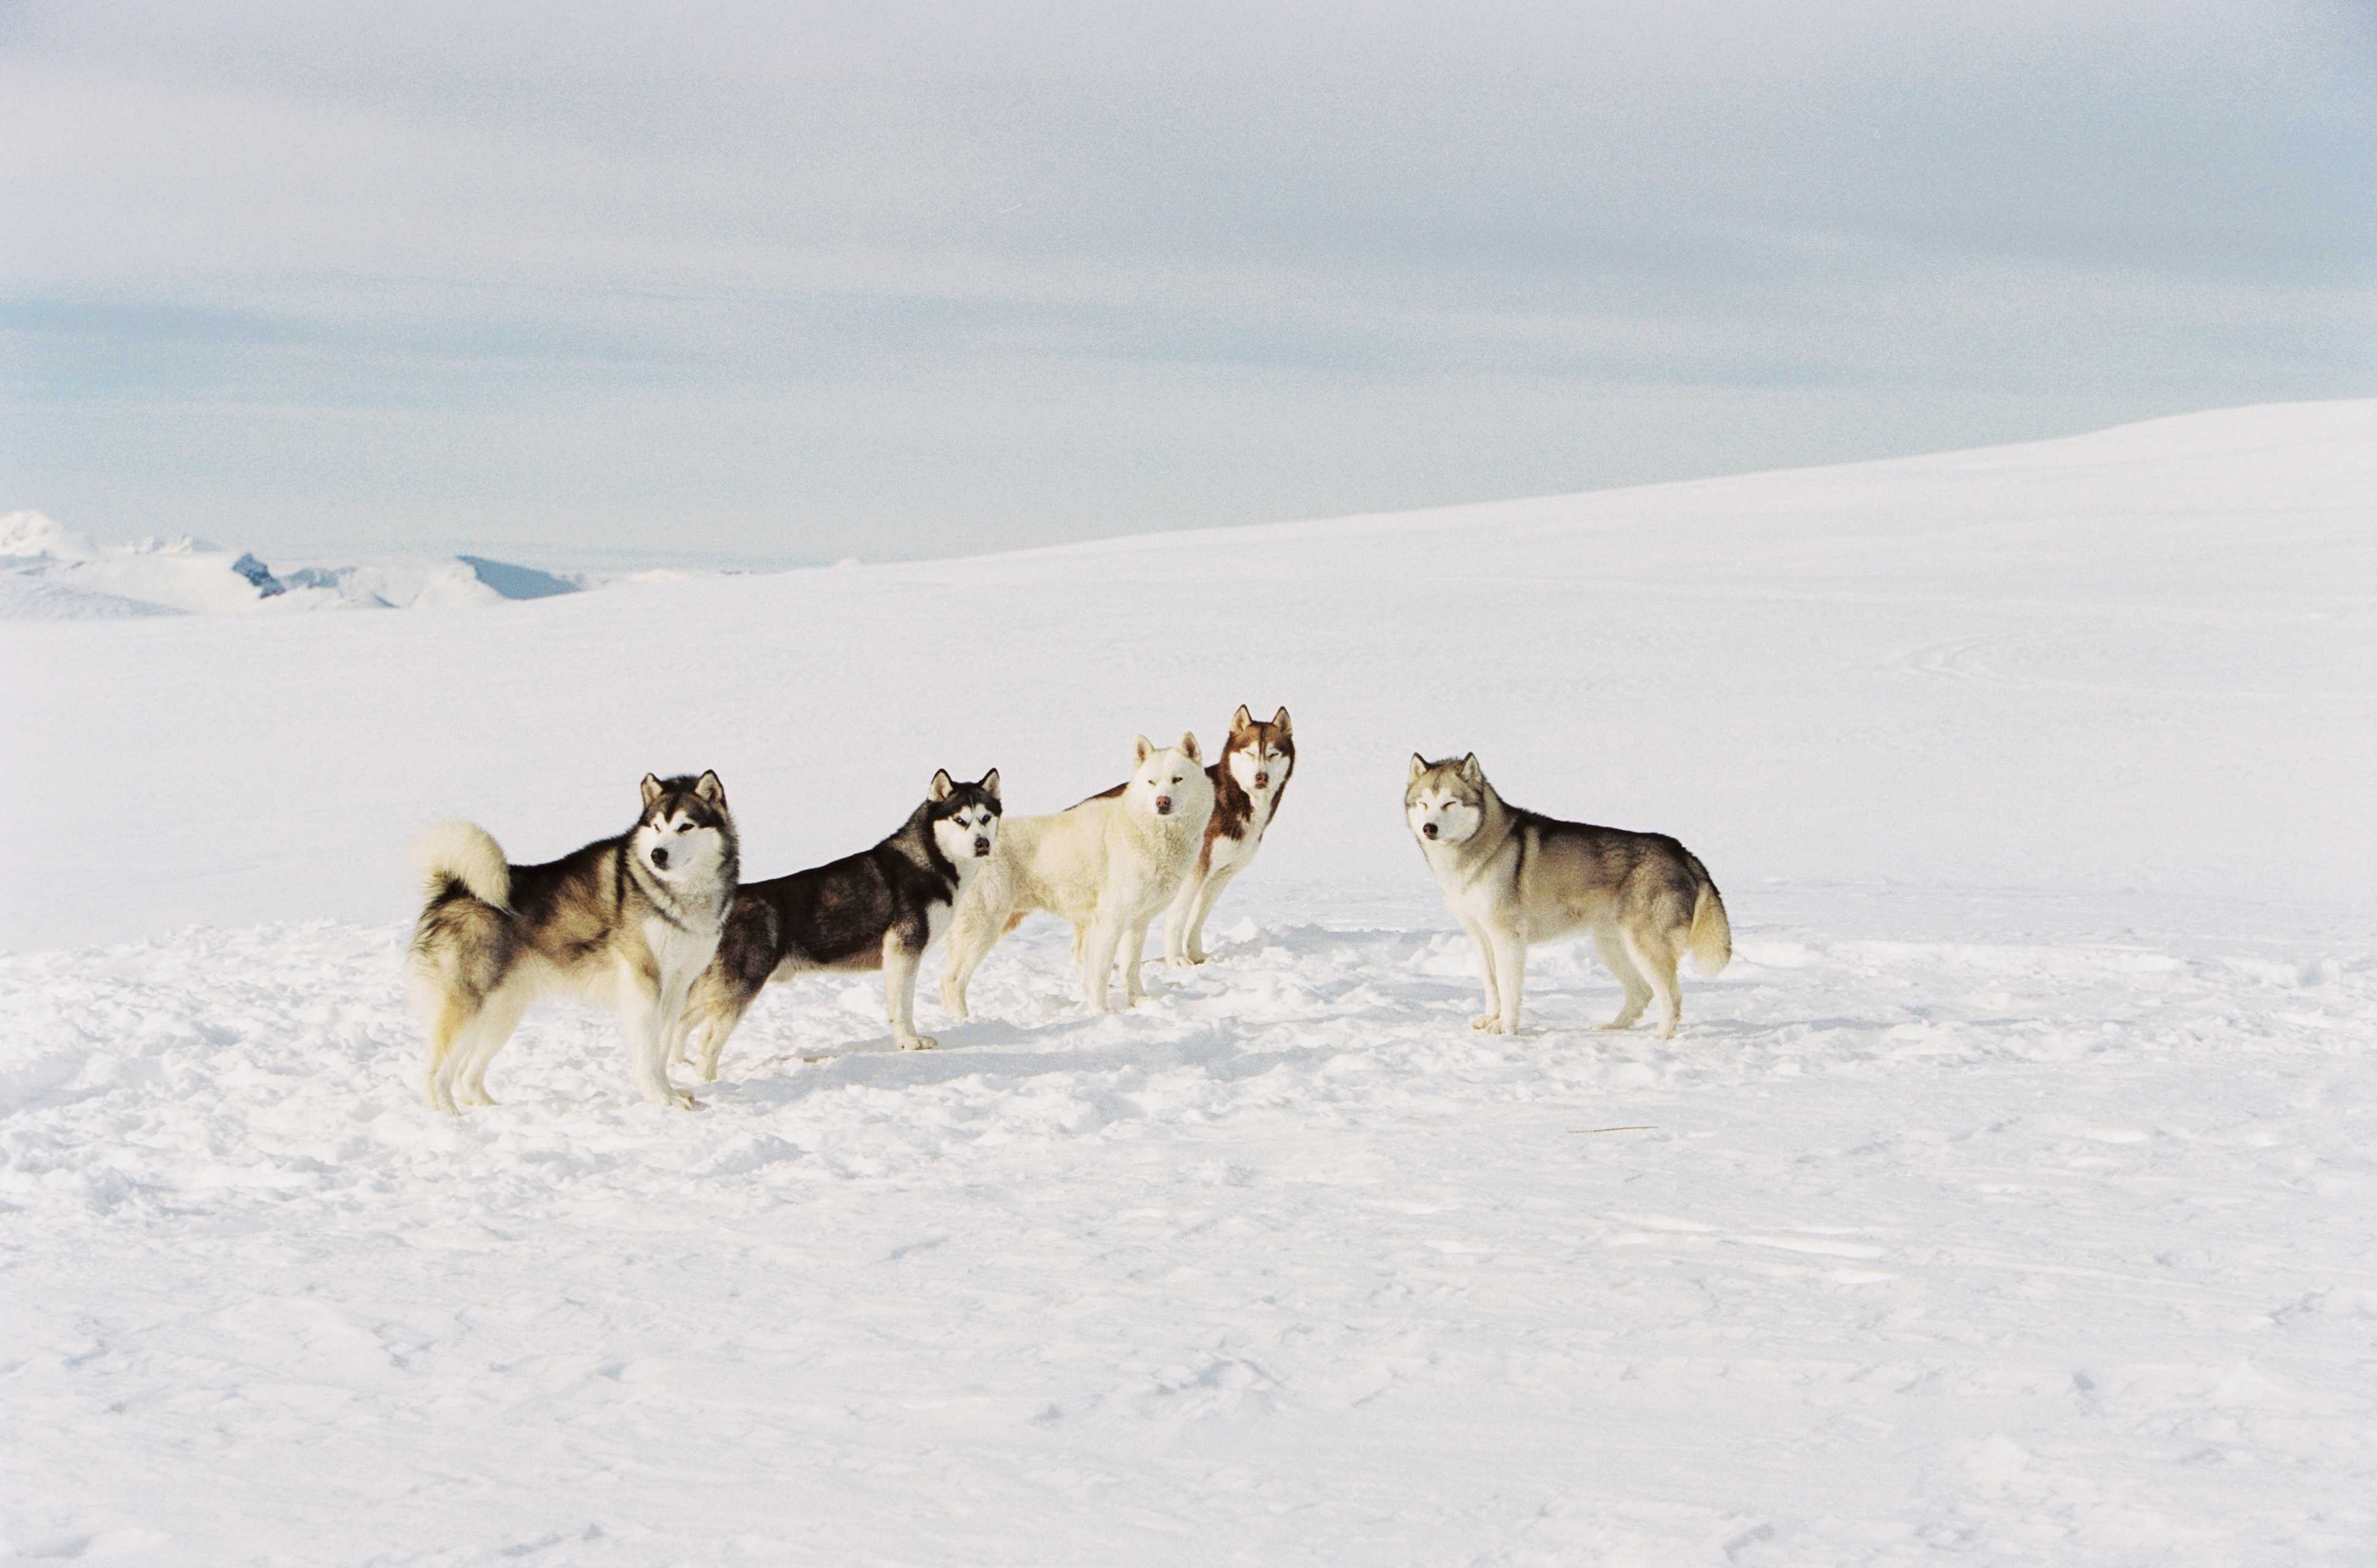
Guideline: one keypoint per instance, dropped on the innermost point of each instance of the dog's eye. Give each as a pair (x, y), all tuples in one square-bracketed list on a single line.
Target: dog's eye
[(685, 827)]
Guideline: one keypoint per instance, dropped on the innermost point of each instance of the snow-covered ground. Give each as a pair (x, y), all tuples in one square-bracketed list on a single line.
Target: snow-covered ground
[(49, 572), (2011, 1199)]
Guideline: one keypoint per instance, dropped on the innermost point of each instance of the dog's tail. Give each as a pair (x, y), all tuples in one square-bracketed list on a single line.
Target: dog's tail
[(1712, 935), (446, 855)]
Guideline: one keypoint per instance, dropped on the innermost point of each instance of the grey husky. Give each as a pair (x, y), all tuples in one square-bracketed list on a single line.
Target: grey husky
[(627, 922), (880, 909), (1514, 877)]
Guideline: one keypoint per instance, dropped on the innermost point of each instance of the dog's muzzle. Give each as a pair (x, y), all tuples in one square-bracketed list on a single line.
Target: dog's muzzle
[(660, 857), (1428, 831)]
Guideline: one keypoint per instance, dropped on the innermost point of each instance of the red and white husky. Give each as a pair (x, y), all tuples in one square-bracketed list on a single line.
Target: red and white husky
[(1248, 777)]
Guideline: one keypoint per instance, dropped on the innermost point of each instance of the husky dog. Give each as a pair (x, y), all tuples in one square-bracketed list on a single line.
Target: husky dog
[(877, 909), (1109, 866), (629, 922), (1515, 878), (1249, 780)]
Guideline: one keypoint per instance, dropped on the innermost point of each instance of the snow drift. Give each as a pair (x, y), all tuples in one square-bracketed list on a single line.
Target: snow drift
[(49, 572)]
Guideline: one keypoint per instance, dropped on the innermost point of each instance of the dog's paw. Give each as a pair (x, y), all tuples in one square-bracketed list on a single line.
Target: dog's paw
[(1615, 1025), (918, 1042), (1490, 1022)]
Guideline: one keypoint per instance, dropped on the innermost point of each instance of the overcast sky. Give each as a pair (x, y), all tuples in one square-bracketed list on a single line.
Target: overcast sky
[(808, 280)]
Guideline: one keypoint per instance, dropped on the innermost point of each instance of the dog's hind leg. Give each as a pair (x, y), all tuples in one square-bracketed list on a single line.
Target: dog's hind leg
[(498, 1019), (450, 1030), (1654, 955), (718, 1019), (1622, 969)]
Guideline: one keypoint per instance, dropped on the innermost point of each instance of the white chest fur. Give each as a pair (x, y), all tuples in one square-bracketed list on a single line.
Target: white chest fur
[(1233, 850), (680, 953)]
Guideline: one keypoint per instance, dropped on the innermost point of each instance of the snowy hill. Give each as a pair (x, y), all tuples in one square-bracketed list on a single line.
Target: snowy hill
[(50, 573), (2009, 1200)]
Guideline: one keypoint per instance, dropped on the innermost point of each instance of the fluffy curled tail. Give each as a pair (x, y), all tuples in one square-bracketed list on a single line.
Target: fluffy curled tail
[(1711, 933), (449, 852)]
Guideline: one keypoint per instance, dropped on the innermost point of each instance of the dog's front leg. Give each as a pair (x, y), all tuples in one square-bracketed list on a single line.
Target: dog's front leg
[(1098, 956), (1511, 965), (1134, 942), (647, 1028), (1180, 922), (899, 993), (1492, 1016)]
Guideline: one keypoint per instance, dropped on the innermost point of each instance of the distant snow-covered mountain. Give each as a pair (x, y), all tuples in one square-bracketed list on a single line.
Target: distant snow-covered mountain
[(51, 571)]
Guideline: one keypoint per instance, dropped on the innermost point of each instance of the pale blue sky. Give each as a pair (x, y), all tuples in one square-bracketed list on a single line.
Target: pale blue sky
[(787, 281)]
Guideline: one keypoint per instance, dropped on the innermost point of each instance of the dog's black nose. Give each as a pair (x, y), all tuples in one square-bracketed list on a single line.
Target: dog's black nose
[(660, 857), (1262, 780), (1429, 830), (982, 846)]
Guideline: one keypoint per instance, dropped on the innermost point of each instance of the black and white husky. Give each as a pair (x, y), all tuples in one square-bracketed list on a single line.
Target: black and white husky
[(628, 921), (878, 909)]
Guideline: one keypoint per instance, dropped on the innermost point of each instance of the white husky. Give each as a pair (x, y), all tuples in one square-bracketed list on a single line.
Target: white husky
[(1110, 865)]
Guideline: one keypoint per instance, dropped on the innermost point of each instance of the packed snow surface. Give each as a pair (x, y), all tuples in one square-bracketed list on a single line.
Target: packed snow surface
[(2012, 1198)]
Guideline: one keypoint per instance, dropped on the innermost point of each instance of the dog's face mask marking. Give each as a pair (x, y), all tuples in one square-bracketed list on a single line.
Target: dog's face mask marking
[(1444, 802), (965, 817), (683, 831)]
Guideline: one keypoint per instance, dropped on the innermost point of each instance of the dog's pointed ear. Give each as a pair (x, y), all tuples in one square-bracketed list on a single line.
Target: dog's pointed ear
[(942, 786), (1188, 747), (1141, 747), (1418, 766), (1241, 720), (709, 789), (1279, 722), (651, 788), (989, 785), (1471, 771)]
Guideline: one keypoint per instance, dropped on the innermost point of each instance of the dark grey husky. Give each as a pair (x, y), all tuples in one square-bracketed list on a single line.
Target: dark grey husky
[(1514, 877), (880, 909)]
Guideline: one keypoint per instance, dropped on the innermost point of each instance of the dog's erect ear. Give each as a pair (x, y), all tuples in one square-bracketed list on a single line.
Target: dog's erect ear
[(1141, 747), (1279, 722), (709, 789), (1188, 747), (1418, 766), (1471, 771), (651, 788), (1241, 720), (989, 785), (942, 786)]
